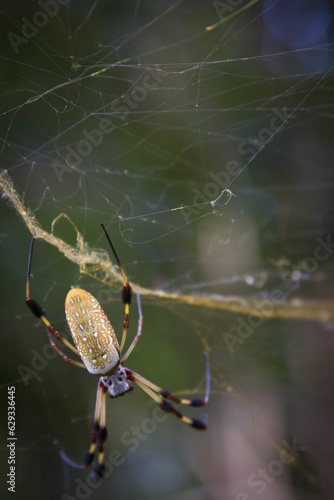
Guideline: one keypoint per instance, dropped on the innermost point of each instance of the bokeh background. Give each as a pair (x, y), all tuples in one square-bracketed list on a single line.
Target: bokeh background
[(136, 115)]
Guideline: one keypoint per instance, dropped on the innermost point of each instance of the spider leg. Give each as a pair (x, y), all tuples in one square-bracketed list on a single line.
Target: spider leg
[(169, 407), (97, 474), (164, 398), (139, 332), (37, 310), (60, 352), (126, 293), (99, 434)]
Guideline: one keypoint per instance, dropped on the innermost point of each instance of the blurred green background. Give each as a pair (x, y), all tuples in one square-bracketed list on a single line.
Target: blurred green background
[(133, 114)]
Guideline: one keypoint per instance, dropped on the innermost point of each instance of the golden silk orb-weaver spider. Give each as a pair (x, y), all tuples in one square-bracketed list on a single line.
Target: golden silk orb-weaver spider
[(97, 346)]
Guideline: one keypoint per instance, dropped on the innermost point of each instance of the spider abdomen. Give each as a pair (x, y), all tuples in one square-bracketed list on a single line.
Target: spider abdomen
[(92, 332)]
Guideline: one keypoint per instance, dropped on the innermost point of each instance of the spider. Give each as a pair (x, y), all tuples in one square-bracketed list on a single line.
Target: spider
[(97, 346)]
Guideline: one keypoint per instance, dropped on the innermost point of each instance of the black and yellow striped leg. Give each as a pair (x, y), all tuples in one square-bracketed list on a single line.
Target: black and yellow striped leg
[(95, 426), (97, 473), (37, 310), (126, 293), (139, 332), (164, 398), (99, 435)]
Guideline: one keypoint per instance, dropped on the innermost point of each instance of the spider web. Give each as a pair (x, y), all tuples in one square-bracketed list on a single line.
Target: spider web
[(200, 134)]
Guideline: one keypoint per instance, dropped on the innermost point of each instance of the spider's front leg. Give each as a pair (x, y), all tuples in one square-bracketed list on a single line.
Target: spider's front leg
[(99, 435), (164, 398)]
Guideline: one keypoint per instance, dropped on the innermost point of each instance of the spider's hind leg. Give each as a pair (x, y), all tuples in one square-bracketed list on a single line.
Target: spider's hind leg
[(39, 312)]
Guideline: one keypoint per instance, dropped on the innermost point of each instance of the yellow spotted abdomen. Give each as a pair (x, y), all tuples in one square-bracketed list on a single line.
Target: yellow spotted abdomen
[(92, 332)]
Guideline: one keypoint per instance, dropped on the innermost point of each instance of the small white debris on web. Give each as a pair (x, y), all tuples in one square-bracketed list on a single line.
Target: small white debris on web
[(228, 193)]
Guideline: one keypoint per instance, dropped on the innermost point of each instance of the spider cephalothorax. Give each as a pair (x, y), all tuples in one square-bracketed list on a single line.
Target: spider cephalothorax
[(97, 346), (117, 383)]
